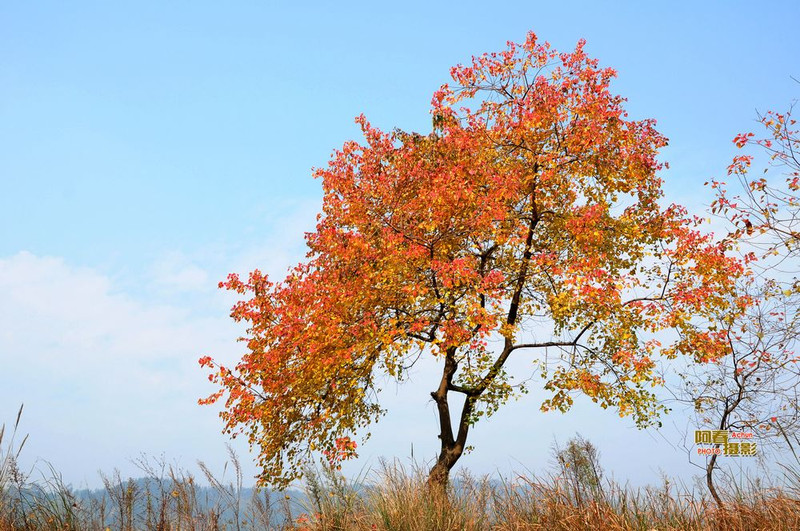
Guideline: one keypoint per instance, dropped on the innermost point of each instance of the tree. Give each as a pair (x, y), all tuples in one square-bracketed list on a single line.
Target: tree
[(579, 468), (754, 385), (527, 223)]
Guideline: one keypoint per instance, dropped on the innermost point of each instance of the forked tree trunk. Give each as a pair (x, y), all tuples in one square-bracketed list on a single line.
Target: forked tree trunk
[(452, 444)]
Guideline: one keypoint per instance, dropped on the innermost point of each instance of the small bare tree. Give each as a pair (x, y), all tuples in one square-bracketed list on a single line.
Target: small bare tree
[(579, 466), (753, 386)]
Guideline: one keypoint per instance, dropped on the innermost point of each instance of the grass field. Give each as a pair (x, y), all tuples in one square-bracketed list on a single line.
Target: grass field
[(391, 498)]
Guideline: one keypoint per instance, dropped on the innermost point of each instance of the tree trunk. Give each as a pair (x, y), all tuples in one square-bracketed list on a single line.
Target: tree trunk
[(723, 425), (452, 445), (439, 475), (710, 481)]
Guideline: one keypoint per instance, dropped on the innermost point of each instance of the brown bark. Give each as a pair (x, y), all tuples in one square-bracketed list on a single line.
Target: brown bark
[(710, 481), (452, 446), (730, 406)]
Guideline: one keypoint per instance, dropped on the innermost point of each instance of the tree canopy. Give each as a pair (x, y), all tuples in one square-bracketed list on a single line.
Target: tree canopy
[(527, 221)]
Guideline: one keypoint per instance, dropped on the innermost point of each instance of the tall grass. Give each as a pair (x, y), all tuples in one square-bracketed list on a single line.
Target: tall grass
[(164, 498), (399, 499), (392, 498), (170, 499)]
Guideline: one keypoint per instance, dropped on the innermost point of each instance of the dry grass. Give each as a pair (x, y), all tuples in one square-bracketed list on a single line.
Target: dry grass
[(391, 499), (399, 500), (165, 498)]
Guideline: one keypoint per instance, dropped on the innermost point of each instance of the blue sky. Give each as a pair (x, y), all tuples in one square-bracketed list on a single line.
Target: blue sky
[(147, 150)]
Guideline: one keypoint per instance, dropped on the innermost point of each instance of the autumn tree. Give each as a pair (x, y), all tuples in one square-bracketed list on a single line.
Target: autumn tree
[(753, 386), (526, 224)]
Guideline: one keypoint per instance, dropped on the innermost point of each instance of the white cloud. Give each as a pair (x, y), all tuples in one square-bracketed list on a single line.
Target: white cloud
[(177, 272), (103, 376)]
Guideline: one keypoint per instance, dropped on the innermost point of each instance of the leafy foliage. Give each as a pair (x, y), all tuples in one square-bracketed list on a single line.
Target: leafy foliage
[(532, 208), (766, 212)]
